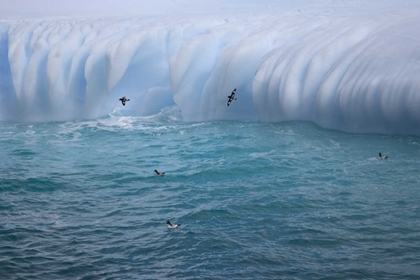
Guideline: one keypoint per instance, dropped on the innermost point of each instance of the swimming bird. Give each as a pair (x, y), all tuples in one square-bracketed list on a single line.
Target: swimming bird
[(123, 100), (231, 97), (382, 157), (171, 225), (159, 173)]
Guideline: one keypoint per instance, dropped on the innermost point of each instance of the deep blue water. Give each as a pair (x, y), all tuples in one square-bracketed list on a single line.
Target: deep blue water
[(79, 200)]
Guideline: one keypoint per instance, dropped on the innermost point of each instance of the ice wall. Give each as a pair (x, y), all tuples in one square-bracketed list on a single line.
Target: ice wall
[(344, 70)]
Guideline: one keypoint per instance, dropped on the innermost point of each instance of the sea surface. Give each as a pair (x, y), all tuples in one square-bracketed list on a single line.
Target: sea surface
[(80, 200)]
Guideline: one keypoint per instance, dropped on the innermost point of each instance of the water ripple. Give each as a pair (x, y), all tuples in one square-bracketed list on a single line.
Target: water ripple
[(310, 204)]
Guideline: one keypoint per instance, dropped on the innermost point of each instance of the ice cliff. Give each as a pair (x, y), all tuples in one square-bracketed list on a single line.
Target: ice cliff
[(353, 71)]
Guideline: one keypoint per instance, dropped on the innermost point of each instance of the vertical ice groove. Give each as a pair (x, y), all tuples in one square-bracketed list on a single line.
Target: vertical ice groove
[(8, 101), (18, 54), (119, 55), (59, 60)]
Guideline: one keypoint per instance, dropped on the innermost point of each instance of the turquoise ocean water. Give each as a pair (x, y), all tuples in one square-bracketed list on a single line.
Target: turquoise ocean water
[(79, 200)]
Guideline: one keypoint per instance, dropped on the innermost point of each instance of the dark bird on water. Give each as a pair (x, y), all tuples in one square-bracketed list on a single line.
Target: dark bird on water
[(171, 225), (159, 173), (382, 157)]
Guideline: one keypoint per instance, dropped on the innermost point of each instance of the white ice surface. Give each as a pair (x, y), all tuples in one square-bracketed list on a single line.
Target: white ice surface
[(347, 65)]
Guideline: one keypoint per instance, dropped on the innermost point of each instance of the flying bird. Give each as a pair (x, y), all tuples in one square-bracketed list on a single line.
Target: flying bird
[(231, 97), (123, 100)]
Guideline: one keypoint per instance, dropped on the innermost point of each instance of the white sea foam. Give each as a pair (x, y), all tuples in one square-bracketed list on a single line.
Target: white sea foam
[(262, 155)]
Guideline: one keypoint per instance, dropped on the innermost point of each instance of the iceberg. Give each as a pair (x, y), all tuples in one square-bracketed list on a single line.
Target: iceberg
[(352, 67)]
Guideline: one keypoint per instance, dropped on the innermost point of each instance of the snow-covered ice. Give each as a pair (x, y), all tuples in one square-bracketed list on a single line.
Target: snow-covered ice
[(347, 65)]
